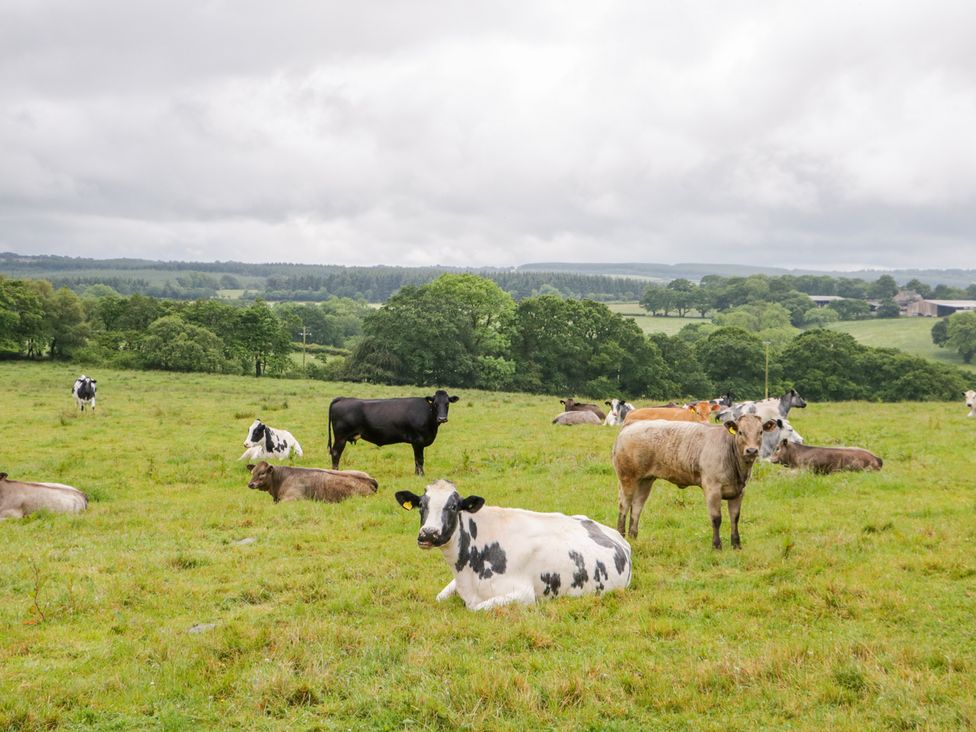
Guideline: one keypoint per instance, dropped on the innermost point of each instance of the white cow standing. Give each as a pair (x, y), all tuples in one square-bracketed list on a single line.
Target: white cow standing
[(84, 392), (504, 555), (971, 403), (263, 443)]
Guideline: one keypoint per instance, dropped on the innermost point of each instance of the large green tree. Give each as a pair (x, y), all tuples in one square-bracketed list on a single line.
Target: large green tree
[(735, 361), (172, 344), (961, 334)]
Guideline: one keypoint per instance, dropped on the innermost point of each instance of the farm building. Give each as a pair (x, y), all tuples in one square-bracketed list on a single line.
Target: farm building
[(939, 308)]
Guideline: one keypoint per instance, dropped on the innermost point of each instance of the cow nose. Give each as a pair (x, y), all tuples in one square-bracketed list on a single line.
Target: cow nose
[(441, 420), (752, 451)]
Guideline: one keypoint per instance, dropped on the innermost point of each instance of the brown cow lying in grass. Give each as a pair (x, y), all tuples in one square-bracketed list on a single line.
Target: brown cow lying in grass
[(316, 484), (824, 459), (19, 499), (698, 412), (571, 418)]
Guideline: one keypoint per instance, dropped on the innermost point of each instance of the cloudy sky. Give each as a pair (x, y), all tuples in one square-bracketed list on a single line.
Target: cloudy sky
[(823, 134)]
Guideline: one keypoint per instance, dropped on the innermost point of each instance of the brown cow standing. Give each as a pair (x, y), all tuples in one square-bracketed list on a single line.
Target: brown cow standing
[(718, 458), (317, 484), (573, 406), (824, 459), (19, 499)]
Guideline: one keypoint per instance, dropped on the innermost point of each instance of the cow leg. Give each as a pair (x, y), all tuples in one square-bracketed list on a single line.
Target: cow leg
[(734, 505), (336, 451), (713, 499), (418, 459), (525, 595), (637, 505), (625, 492), (448, 591)]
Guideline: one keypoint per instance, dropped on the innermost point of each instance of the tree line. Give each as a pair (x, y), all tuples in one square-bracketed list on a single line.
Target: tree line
[(464, 331)]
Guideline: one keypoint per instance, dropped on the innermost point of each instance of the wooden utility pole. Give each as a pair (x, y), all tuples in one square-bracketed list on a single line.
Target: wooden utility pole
[(304, 334)]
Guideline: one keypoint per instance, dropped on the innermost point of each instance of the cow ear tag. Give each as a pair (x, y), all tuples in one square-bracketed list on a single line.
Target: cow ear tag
[(731, 430), (407, 505)]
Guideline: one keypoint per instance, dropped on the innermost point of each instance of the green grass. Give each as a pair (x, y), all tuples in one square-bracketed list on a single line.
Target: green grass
[(912, 335), (650, 324), (849, 608)]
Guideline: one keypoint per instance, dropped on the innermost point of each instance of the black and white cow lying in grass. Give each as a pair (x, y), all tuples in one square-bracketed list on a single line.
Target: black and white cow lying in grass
[(505, 555), (263, 442), (84, 392)]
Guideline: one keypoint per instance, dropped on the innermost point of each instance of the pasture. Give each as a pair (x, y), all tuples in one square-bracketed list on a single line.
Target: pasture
[(651, 324), (850, 606), (912, 335)]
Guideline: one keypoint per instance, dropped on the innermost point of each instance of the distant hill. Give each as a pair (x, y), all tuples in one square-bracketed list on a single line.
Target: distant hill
[(695, 271)]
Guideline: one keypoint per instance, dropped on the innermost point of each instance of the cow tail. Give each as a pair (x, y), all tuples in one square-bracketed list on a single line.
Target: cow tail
[(329, 429)]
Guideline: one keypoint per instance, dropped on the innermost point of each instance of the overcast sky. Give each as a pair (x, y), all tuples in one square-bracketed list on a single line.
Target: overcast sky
[(823, 134)]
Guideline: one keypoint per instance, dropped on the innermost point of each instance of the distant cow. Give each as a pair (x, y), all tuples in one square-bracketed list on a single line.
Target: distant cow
[(504, 555), (571, 418), (971, 403), (284, 483), (264, 442), (19, 499), (692, 413), (573, 406), (387, 421), (84, 392), (765, 408), (825, 459), (619, 409), (717, 458)]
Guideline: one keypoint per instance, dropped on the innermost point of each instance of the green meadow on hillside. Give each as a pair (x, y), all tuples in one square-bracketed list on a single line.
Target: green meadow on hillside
[(650, 324), (850, 606), (912, 335)]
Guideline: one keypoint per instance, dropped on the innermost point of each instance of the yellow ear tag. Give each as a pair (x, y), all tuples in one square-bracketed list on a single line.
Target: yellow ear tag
[(731, 430), (408, 505)]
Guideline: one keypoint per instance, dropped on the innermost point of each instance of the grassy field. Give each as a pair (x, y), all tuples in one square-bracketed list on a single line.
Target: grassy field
[(649, 324), (912, 335), (849, 608)]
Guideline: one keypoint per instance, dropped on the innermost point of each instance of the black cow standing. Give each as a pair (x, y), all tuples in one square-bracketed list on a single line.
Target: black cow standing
[(388, 421)]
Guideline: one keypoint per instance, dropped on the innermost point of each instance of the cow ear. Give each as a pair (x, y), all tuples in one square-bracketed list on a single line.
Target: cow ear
[(769, 424), (783, 442), (779, 423), (430, 400), (730, 425), (3, 476), (472, 504), (250, 467), (608, 404), (563, 402), (453, 399), (407, 499)]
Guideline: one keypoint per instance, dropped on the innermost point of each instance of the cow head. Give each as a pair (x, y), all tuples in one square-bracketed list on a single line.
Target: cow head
[(440, 508), (440, 403), (783, 453), (261, 476), (255, 433), (747, 432), (792, 398), (970, 398)]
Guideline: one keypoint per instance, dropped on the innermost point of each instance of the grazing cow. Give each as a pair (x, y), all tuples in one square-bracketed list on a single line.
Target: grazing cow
[(693, 413), (717, 458), (766, 408), (84, 392), (771, 438), (571, 418), (971, 403), (265, 442), (506, 555), (387, 421), (825, 459), (619, 409), (316, 484), (19, 499), (573, 406)]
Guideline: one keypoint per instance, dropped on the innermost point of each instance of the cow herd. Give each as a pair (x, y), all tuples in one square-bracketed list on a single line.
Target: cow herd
[(503, 555)]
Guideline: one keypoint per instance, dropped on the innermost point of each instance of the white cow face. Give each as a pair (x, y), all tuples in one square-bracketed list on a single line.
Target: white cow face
[(440, 507), (255, 434), (970, 398)]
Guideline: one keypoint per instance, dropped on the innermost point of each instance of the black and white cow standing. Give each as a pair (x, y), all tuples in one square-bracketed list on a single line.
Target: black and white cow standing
[(504, 555), (84, 392), (263, 442)]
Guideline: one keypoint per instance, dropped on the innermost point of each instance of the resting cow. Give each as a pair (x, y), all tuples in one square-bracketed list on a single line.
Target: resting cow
[(573, 406), (971, 403), (285, 483), (266, 442), (571, 418), (619, 409), (717, 458), (504, 555), (84, 392), (19, 498), (693, 413), (387, 421), (771, 438), (825, 459)]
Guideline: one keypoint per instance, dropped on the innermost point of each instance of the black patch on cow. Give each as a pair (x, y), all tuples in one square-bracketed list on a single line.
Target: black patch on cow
[(552, 581), (484, 562), (580, 575), (599, 575), (473, 528), (268, 442), (598, 537)]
